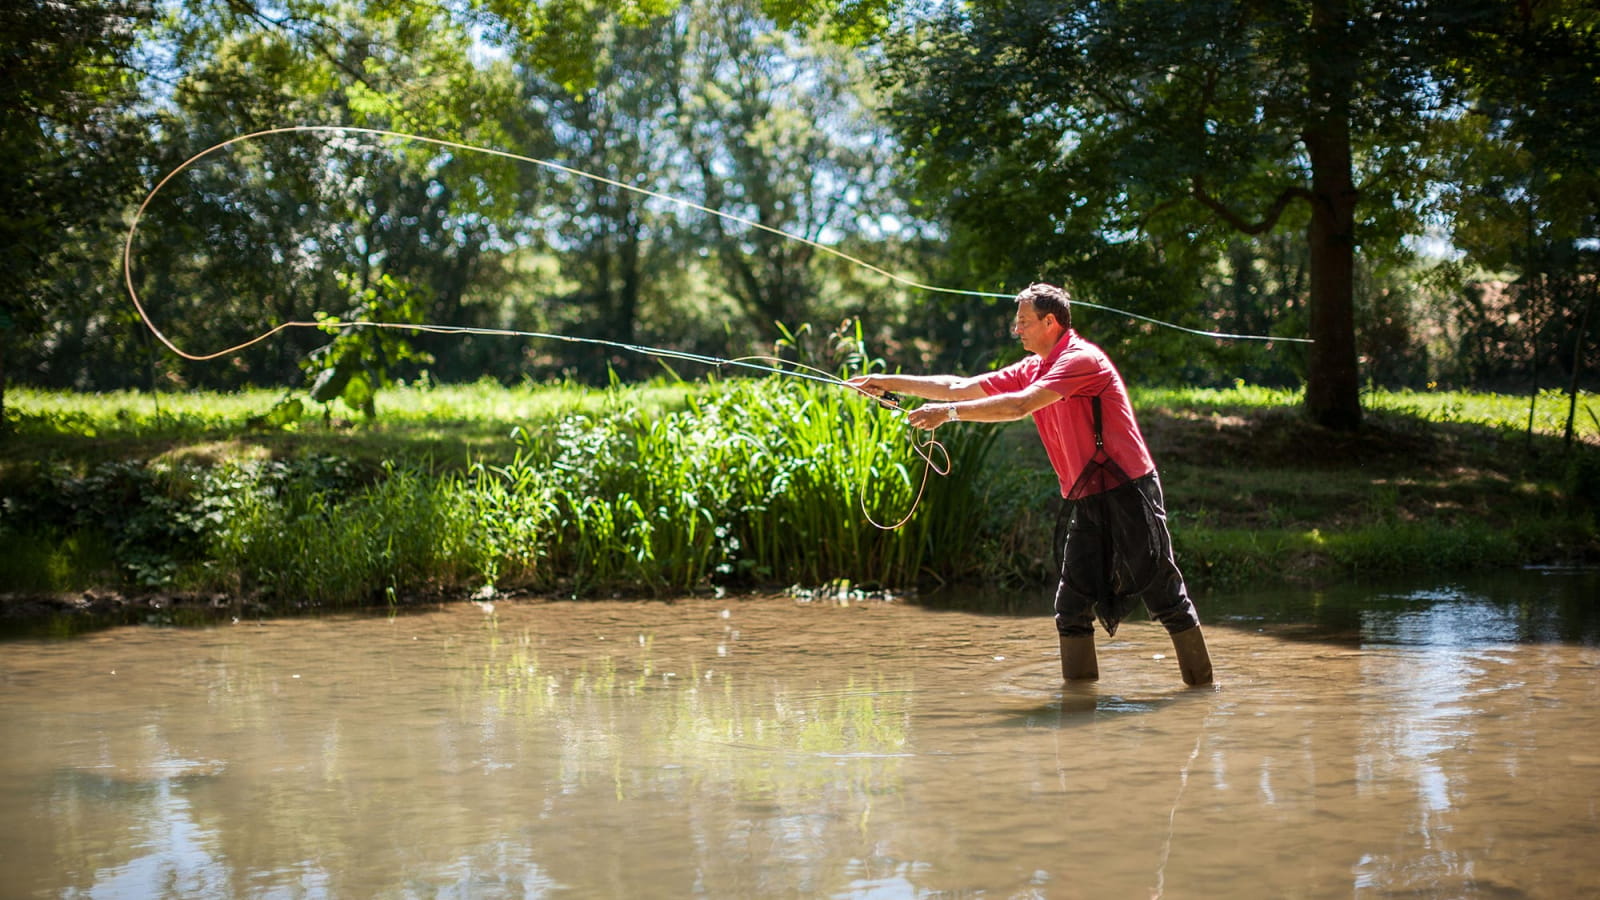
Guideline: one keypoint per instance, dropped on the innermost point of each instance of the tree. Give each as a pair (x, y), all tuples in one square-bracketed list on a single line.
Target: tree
[(710, 104), (65, 143), (1527, 196), (1182, 122), (288, 226), (613, 243), (291, 225), (774, 130)]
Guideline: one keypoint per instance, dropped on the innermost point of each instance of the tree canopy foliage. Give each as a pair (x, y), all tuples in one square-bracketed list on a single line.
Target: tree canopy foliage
[(1252, 167), (67, 87), (1142, 137)]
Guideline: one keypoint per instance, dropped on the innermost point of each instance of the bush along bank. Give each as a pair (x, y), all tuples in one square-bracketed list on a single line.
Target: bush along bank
[(752, 484)]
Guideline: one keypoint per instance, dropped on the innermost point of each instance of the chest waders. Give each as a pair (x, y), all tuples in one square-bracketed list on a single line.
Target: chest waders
[(1113, 551)]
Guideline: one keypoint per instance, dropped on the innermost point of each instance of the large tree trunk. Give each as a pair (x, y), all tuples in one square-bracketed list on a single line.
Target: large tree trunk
[(1333, 382)]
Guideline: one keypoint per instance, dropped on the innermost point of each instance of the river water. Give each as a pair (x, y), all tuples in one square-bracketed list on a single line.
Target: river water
[(1374, 741)]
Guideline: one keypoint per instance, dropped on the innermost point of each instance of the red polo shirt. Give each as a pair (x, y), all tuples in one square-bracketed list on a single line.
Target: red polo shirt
[(1077, 370)]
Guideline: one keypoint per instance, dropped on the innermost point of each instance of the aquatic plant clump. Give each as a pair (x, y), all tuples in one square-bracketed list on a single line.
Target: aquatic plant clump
[(759, 483), (752, 483)]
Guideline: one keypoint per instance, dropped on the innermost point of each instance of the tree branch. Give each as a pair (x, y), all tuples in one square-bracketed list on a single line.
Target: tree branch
[(289, 24), (1198, 191)]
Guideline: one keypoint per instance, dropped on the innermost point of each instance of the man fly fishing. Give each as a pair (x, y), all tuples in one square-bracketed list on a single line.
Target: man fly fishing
[(1115, 550)]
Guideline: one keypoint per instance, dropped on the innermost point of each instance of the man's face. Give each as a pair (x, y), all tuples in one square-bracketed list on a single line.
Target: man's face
[(1037, 333)]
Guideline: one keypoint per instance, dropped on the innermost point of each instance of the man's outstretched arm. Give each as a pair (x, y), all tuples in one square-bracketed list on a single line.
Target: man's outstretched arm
[(984, 408), (928, 387)]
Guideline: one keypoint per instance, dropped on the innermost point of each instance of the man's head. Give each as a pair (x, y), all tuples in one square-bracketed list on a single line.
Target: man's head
[(1044, 313)]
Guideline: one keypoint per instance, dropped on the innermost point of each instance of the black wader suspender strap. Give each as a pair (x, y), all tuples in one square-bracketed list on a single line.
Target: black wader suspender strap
[(1064, 512)]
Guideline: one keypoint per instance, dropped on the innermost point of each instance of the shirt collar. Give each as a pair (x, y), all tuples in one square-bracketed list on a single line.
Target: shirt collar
[(1067, 337)]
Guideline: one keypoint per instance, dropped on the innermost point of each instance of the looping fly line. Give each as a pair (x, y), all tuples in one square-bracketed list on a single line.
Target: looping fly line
[(925, 449), (127, 252)]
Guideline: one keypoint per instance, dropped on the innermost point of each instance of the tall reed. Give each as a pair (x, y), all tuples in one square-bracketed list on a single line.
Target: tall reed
[(752, 483), (761, 481), (404, 533)]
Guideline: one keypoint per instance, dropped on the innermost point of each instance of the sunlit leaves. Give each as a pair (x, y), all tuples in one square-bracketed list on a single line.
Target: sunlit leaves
[(562, 39)]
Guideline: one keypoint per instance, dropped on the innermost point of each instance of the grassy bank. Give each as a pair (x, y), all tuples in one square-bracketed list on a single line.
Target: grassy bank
[(675, 488), (1436, 481)]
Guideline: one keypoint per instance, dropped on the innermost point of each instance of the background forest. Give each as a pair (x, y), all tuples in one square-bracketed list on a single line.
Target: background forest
[(1415, 184)]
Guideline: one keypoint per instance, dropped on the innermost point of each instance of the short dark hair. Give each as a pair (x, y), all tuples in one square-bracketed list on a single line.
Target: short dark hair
[(1049, 300)]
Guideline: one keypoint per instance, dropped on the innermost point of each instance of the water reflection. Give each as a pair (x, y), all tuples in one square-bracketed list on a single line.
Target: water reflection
[(1422, 740), (1523, 606)]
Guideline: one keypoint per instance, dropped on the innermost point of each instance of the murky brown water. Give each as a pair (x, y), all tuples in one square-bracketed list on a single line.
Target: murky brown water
[(768, 748)]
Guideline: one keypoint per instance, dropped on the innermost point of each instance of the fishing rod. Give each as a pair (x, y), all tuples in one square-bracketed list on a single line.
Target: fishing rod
[(774, 365)]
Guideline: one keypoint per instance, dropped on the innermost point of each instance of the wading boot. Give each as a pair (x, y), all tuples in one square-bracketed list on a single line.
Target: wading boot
[(1077, 659), (1194, 663)]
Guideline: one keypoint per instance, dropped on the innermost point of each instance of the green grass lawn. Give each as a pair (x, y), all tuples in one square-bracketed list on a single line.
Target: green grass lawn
[(1432, 481), (447, 425)]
